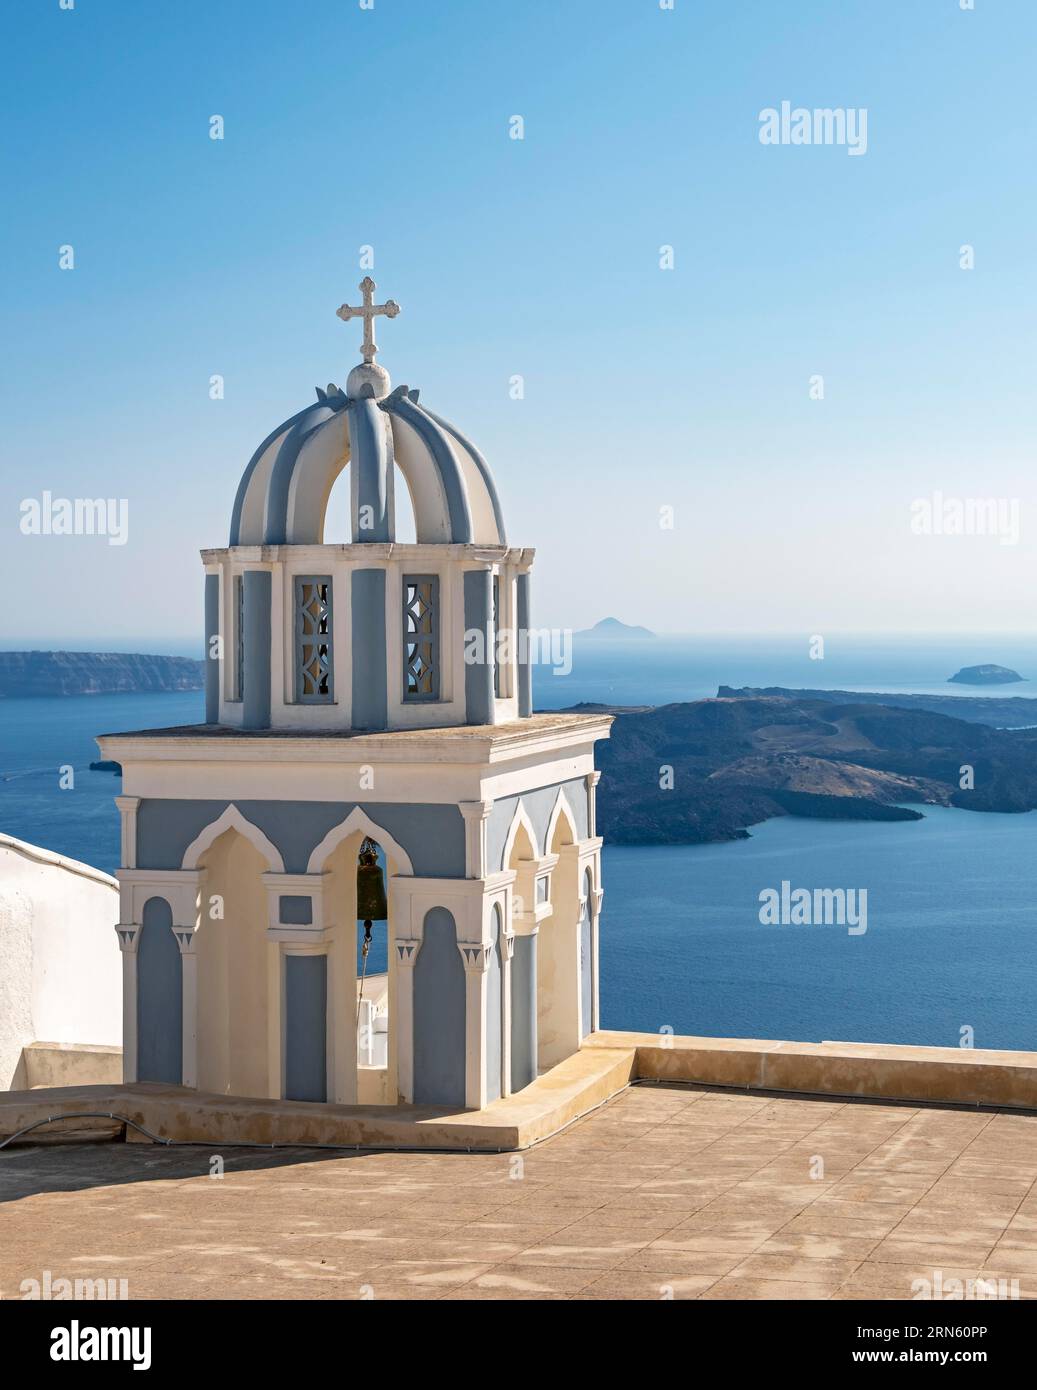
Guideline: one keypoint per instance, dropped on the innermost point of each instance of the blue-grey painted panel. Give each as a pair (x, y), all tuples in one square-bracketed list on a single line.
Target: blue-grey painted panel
[(539, 804), (371, 461), (586, 963), (256, 685), (306, 1027), (478, 675), (523, 1012), (525, 648), (160, 992), (432, 835), (212, 664), (494, 1012), (439, 1015), (295, 910), (367, 604)]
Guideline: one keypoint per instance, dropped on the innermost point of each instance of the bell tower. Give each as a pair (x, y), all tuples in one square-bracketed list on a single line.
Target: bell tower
[(370, 756)]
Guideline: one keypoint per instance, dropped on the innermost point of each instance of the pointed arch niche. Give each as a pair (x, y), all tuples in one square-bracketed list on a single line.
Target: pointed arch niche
[(234, 958)]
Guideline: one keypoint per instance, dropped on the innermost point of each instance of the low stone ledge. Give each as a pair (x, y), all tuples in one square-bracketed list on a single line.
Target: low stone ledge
[(873, 1071), (579, 1084), (46, 1064), (605, 1064)]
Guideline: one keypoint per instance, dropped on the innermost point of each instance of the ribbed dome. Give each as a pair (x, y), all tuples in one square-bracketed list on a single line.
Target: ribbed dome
[(283, 494)]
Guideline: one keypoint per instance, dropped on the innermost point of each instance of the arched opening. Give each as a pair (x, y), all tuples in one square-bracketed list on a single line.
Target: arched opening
[(365, 986), (237, 969), (558, 952), (338, 517), (338, 523), (406, 526)]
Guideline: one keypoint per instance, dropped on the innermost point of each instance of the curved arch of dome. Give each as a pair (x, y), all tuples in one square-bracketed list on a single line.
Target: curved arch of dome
[(359, 822), (559, 812), (247, 515), (232, 819), (520, 820), (478, 473), (321, 459), (435, 444), (275, 517)]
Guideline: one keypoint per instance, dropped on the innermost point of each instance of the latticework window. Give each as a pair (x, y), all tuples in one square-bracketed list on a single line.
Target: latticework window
[(496, 637), (313, 668), (420, 637)]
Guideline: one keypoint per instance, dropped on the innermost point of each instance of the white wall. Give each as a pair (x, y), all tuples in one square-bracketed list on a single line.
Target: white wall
[(60, 965)]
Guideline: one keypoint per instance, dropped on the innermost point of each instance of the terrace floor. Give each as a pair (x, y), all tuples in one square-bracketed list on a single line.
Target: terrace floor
[(665, 1191)]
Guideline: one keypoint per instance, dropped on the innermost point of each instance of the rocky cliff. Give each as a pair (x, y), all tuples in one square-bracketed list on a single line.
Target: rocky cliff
[(95, 673), (690, 773)]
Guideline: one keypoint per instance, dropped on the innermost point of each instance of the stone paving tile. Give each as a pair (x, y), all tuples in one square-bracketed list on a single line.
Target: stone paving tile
[(812, 1246), (522, 1281), (771, 1289), (796, 1269), (667, 1192), (626, 1284), (948, 1250)]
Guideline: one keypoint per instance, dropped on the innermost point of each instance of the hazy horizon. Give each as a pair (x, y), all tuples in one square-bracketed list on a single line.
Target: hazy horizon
[(193, 645)]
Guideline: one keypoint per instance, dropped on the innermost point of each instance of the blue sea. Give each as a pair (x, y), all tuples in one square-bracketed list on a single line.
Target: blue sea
[(951, 939)]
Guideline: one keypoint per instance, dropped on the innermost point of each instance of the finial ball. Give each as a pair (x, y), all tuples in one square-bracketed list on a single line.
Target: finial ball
[(368, 374)]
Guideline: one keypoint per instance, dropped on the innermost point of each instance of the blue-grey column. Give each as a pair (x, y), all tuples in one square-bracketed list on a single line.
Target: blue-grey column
[(440, 1001), (525, 653), (212, 657), (523, 1012), (367, 607), (255, 686), (160, 992), (306, 1027), (371, 465), (478, 675)]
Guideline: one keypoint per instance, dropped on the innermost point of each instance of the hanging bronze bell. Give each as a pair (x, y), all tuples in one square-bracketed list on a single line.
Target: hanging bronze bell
[(371, 904)]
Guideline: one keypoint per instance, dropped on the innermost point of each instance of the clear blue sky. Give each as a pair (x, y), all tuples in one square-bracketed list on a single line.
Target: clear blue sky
[(644, 388)]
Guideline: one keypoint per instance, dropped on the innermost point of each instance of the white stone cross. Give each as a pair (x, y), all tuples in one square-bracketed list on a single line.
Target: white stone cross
[(368, 312)]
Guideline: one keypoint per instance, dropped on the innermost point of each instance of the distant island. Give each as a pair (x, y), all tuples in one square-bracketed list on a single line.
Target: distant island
[(984, 675), (706, 771), (95, 673), (611, 629)]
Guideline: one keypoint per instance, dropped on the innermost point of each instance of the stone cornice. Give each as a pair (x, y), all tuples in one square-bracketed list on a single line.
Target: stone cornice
[(363, 554), (478, 745)]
